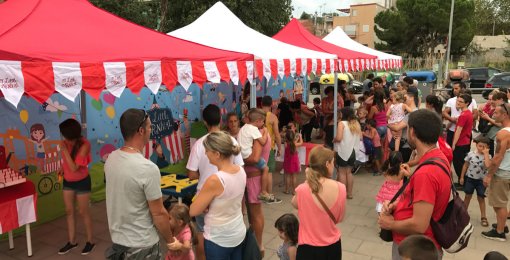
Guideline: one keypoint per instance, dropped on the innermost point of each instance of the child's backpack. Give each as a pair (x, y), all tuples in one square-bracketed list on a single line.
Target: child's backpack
[(316, 119), (369, 146)]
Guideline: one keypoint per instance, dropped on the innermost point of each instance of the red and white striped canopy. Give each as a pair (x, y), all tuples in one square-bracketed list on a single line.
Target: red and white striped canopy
[(70, 45)]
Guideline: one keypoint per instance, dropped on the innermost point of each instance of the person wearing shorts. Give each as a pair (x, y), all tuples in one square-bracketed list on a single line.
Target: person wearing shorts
[(499, 174), (75, 150)]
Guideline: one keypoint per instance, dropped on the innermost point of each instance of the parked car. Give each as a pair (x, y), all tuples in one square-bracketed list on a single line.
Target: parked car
[(316, 88), (500, 80), (479, 76)]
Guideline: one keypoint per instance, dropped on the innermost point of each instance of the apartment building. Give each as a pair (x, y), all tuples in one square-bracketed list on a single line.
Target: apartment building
[(358, 21)]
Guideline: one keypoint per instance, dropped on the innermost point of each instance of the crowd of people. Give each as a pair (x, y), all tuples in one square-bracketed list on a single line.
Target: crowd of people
[(235, 166)]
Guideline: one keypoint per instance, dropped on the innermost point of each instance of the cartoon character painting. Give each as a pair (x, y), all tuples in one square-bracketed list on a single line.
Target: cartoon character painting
[(298, 88), (38, 137)]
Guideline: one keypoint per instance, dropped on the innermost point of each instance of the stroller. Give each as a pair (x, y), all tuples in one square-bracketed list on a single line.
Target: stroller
[(362, 156)]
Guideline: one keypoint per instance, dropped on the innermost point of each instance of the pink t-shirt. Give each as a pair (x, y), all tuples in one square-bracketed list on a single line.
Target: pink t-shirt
[(264, 154), (184, 235), (316, 228), (82, 161)]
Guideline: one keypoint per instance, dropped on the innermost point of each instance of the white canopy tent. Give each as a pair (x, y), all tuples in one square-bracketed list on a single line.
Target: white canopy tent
[(340, 38), (218, 27)]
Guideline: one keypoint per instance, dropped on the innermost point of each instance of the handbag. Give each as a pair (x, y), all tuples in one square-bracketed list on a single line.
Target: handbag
[(385, 234), (326, 208), (250, 246), (453, 230)]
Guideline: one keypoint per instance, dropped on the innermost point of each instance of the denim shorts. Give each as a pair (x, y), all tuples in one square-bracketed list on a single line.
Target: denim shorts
[(80, 187), (470, 185), (381, 130), (200, 223)]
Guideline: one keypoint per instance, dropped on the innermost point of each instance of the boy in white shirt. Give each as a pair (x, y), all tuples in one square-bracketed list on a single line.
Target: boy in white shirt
[(248, 134)]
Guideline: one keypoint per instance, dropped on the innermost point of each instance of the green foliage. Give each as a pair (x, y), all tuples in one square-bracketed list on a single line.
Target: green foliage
[(492, 16), (417, 26), (305, 16), (265, 16)]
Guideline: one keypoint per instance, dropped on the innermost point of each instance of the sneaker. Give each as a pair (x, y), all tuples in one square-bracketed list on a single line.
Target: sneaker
[(271, 199), (494, 226), (88, 248), (494, 235), (64, 250), (263, 197)]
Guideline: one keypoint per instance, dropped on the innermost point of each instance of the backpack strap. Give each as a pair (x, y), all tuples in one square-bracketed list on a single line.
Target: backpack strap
[(427, 162)]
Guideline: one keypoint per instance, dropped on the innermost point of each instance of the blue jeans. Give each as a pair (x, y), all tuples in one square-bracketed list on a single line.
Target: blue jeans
[(214, 251)]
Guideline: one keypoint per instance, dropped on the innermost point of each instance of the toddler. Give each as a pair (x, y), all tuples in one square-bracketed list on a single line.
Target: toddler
[(362, 117), (474, 170), (288, 228), (291, 164), (374, 140), (184, 233), (248, 134), (392, 182), (396, 115)]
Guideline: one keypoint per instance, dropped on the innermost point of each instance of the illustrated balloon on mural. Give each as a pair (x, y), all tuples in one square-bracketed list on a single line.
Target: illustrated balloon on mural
[(109, 98), (110, 112), (97, 104), (23, 115)]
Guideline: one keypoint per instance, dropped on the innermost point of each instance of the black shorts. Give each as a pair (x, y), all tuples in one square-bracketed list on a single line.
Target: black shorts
[(339, 162), (307, 252), (80, 187)]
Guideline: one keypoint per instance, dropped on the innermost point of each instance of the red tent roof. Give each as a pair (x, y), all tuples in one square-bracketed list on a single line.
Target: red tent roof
[(38, 33), (294, 33)]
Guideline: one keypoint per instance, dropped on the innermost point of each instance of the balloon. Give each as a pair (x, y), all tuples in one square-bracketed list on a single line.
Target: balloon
[(23, 115), (97, 104), (110, 112), (109, 98)]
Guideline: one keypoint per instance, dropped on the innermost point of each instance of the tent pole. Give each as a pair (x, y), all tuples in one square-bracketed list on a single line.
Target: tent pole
[(253, 94), (83, 112), (335, 103)]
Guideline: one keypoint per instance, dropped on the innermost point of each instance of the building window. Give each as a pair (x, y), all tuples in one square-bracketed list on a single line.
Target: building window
[(350, 30), (354, 12), (365, 28), (365, 45)]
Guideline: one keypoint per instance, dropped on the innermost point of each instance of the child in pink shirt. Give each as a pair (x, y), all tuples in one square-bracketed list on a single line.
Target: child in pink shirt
[(392, 182)]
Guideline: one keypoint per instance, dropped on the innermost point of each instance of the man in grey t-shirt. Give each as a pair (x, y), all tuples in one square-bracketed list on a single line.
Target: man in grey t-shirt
[(133, 195)]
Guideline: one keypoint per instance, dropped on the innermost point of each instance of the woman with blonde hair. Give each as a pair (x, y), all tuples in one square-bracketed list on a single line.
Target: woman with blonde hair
[(320, 202), (222, 194), (346, 141)]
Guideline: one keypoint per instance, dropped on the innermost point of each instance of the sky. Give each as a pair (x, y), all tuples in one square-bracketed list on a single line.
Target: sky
[(327, 6)]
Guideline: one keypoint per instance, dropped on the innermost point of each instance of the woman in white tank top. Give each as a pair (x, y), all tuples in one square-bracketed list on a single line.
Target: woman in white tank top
[(220, 199), (346, 142)]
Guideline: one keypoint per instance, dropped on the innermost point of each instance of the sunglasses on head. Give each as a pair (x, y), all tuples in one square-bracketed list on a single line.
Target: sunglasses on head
[(145, 116)]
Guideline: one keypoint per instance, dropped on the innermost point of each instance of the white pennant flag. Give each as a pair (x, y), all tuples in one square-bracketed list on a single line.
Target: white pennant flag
[(292, 67), (362, 64), (346, 66), (281, 68), (250, 72), (152, 75), (323, 66), (332, 65), (212, 72), (266, 68), (12, 83), (304, 67), (233, 72), (115, 75), (184, 74), (68, 79), (357, 65)]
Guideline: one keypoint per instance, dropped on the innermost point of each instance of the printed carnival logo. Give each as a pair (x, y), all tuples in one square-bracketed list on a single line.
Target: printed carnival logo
[(69, 82), (8, 83), (153, 78), (116, 80)]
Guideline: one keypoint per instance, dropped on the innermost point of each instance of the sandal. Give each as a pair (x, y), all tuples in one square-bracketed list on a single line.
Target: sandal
[(286, 192), (349, 197), (484, 222)]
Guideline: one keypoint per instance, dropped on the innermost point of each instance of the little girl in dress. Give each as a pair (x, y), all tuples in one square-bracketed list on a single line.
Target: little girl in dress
[(396, 115), (288, 229), (291, 164), (184, 232), (392, 182)]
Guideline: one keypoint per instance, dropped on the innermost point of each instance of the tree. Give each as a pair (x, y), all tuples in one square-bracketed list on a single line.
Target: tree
[(305, 16), (492, 17), (265, 16), (418, 26)]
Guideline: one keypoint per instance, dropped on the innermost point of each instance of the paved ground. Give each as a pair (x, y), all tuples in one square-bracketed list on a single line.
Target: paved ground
[(359, 230)]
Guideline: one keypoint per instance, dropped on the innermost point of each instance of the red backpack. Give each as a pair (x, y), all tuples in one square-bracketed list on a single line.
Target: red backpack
[(445, 148)]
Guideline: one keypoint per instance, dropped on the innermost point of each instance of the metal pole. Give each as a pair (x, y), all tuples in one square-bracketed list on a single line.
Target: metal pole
[(253, 93), (449, 38), (335, 103)]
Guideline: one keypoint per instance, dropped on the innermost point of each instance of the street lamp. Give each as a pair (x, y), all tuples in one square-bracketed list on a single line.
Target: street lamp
[(449, 38)]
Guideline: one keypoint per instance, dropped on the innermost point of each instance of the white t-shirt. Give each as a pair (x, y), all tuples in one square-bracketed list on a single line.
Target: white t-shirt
[(246, 135), (131, 181), (198, 161), (452, 104)]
